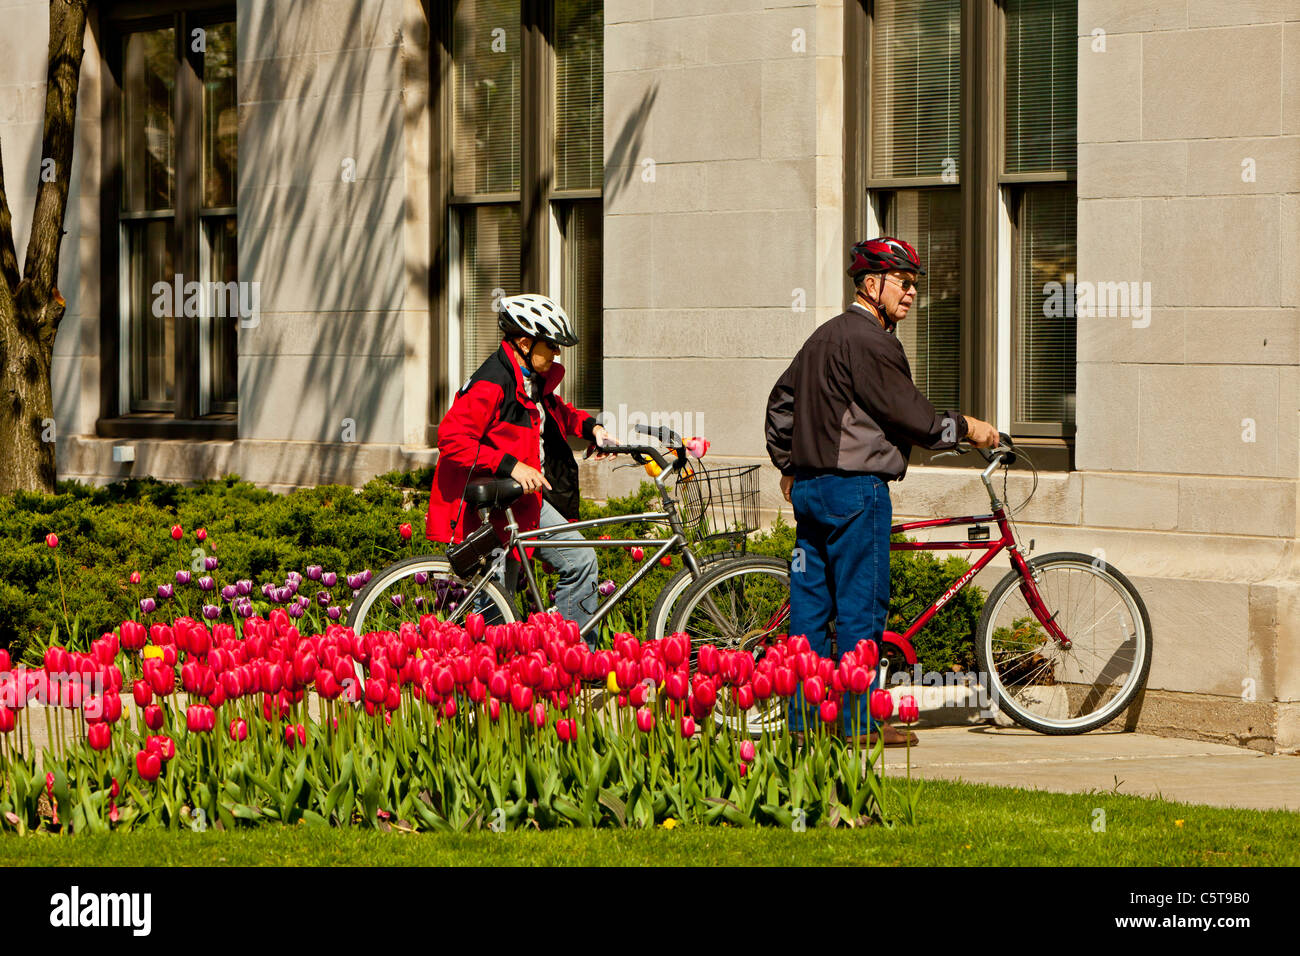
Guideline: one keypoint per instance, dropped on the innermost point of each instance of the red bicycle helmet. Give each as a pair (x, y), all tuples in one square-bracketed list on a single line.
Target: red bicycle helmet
[(883, 254)]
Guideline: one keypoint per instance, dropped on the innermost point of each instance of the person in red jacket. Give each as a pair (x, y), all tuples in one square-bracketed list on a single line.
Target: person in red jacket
[(508, 421)]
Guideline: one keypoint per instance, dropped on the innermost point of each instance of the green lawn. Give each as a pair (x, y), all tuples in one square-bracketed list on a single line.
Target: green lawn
[(961, 824)]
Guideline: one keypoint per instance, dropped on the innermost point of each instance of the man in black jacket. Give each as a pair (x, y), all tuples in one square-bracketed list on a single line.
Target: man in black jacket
[(841, 422)]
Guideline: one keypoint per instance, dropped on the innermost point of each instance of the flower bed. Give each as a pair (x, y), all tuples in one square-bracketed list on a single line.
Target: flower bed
[(434, 727)]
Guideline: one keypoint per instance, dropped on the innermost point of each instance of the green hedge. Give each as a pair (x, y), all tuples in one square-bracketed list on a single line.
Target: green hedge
[(106, 533)]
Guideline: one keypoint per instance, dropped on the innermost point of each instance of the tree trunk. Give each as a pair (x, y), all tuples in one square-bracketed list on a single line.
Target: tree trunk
[(31, 306)]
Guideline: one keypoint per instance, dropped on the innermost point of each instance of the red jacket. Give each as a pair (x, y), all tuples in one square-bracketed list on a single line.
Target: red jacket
[(493, 424)]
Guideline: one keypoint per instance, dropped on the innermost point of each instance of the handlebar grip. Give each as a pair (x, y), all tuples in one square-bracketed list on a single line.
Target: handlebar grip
[(645, 450), (662, 432)]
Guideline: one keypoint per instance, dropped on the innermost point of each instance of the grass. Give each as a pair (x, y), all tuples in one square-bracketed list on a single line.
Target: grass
[(961, 824)]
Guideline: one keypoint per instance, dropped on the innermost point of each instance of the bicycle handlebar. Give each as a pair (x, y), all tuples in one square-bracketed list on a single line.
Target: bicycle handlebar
[(640, 453), (1003, 450)]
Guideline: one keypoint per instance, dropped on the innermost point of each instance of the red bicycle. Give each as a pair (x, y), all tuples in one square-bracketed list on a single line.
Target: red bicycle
[(1063, 643)]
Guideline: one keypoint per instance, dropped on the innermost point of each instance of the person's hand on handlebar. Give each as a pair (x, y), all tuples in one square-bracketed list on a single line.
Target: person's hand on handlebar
[(980, 433), (529, 477), (602, 438)]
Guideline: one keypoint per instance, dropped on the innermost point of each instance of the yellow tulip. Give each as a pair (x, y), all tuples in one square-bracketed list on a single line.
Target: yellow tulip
[(611, 683), (152, 651)]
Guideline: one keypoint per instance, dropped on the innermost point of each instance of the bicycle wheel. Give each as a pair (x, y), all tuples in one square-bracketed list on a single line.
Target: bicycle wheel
[(413, 587), (1056, 690), (737, 606), (662, 611)]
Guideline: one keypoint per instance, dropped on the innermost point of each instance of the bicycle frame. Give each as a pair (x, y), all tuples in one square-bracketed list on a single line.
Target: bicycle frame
[(991, 550), (521, 540)]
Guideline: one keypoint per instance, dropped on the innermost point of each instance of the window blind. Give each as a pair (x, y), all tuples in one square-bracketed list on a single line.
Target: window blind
[(579, 93), (1045, 335), (486, 51), (489, 269), (915, 88), (583, 378), (930, 219), (1041, 85)]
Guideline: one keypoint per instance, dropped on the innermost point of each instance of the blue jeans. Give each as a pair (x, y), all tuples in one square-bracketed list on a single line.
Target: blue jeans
[(840, 570), (575, 595)]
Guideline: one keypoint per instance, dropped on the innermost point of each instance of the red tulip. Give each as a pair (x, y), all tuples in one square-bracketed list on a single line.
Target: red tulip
[(676, 686), (666, 561), (177, 533), (868, 653), (112, 707), (51, 540), (882, 704), (645, 720), (747, 751), (494, 708), (100, 736), (637, 554), (762, 686), (7, 722), (567, 730), (153, 717), (133, 635), (499, 685), (829, 711), (786, 681), (161, 745), (142, 693), (708, 659), (521, 697), (745, 697), (200, 718), (814, 689), (688, 726), (405, 531), (475, 626), (860, 679), (676, 648), (135, 577), (238, 729), (908, 711), (449, 708), (201, 534), (148, 765), (539, 714)]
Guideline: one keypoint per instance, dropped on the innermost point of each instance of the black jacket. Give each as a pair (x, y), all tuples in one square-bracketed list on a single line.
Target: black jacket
[(847, 404)]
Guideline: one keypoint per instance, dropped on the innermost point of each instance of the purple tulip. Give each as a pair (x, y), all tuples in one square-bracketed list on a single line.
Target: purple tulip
[(303, 600), (421, 577), (182, 577), (267, 588), (147, 605), (229, 593), (355, 583), (551, 596), (246, 610), (419, 601), (244, 588), (295, 610), (211, 612), (452, 606), (291, 586), (366, 575), (333, 613), (165, 591), (323, 598), (313, 572), (282, 595), (397, 599), (206, 583), (606, 588), (209, 564), (356, 594)]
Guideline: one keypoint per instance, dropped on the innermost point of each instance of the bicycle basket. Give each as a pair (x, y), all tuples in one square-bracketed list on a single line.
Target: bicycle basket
[(719, 503)]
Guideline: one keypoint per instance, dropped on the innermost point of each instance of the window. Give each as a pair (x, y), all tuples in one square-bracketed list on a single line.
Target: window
[(963, 142), (915, 124), (170, 174), (524, 129), (1038, 170)]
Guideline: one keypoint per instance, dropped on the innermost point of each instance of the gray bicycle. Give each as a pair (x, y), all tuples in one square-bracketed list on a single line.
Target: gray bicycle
[(707, 515)]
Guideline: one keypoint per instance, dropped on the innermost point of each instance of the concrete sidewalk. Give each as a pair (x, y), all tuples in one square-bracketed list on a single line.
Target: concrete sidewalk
[(1176, 769)]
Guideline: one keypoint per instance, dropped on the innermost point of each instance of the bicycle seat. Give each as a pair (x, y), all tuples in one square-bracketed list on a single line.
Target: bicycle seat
[(492, 492)]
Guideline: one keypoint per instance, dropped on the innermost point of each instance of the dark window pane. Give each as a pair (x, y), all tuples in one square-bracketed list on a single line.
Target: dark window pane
[(222, 321), (1041, 70), (489, 269), (581, 227), (579, 93), (220, 117), (930, 219), (148, 136), (1045, 329), (151, 314), (485, 50), (915, 100)]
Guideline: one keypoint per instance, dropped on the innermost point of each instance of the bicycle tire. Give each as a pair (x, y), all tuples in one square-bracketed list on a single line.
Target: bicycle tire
[(678, 585), (775, 588), (406, 569), (1007, 699)]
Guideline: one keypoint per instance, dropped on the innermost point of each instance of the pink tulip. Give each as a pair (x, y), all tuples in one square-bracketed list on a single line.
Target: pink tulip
[(747, 751), (645, 720), (908, 711)]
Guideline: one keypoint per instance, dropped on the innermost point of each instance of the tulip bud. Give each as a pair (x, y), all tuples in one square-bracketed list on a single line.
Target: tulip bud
[(747, 751), (405, 531), (177, 533), (51, 540)]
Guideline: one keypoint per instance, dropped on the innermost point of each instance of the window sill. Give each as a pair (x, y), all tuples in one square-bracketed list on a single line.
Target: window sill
[(212, 428)]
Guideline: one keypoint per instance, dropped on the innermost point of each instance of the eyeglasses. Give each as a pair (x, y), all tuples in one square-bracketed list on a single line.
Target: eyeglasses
[(907, 285)]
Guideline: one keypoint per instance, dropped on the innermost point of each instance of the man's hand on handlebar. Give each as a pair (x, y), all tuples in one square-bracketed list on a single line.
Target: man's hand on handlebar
[(980, 433), (529, 477)]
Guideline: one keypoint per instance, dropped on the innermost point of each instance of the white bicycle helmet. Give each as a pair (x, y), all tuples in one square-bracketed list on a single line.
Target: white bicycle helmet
[(537, 317)]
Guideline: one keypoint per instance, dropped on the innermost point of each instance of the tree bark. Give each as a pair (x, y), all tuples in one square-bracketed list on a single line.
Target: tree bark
[(31, 307)]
